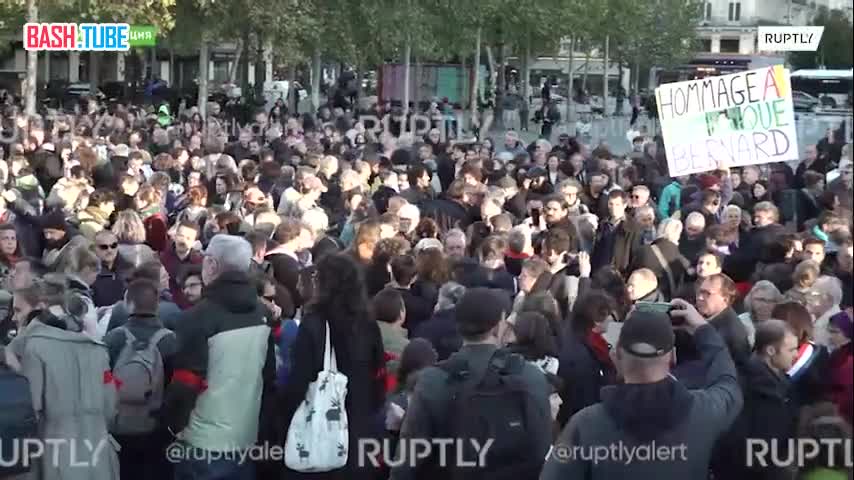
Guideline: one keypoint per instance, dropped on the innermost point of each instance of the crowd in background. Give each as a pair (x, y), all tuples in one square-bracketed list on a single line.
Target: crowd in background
[(234, 256)]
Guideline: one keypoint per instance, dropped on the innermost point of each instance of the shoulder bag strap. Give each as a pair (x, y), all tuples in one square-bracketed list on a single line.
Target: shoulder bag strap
[(666, 266), (329, 361)]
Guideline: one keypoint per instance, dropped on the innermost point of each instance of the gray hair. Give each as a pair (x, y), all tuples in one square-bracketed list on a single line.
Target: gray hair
[(830, 287), (762, 286), (232, 253), (644, 210), (455, 232), (316, 220), (449, 295), (671, 229), (733, 208), (695, 219)]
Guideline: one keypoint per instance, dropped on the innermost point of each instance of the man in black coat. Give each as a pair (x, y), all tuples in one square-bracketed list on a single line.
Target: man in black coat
[(768, 412), (452, 210), (291, 236), (618, 238)]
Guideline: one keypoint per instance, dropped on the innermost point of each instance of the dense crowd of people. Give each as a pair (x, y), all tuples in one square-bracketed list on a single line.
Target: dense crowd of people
[(164, 284)]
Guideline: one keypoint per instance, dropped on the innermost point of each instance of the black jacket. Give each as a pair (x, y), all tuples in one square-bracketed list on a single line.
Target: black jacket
[(616, 247), (418, 310), (583, 376), (447, 213), (441, 331), (286, 272), (359, 355), (768, 414)]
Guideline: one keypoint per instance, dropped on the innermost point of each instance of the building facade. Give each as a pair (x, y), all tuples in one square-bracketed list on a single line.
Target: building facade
[(727, 34)]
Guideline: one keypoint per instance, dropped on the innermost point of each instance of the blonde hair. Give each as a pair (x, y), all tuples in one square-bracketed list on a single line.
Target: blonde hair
[(129, 228), (82, 258)]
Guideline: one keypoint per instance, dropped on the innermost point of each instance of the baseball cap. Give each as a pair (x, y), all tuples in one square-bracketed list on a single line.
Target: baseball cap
[(647, 334), (313, 183)]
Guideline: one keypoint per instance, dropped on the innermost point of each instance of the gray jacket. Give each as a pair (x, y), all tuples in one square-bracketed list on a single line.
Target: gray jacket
[(676, 428), (429, 404), (74, 401)]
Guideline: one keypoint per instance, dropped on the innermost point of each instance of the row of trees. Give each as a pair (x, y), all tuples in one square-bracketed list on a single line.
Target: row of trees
[(366, 33)]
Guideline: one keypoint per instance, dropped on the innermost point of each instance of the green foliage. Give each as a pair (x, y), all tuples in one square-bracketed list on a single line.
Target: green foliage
[(835, 50)]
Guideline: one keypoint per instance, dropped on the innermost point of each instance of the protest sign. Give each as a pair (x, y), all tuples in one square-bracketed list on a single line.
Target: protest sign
[(746, 118)]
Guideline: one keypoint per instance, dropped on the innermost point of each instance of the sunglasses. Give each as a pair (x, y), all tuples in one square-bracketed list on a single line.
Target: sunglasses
[(270, 298), (108, 246)]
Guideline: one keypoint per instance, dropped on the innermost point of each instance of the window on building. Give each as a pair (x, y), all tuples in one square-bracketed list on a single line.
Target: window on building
[(707, 11), (729, 45), (734, 11), (705, 44)]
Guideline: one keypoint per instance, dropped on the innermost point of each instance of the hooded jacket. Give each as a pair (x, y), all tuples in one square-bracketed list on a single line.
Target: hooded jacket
[(687, 423), (225, 359)]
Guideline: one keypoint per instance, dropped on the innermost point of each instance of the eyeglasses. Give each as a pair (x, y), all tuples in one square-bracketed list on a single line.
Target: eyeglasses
[(108, 246)]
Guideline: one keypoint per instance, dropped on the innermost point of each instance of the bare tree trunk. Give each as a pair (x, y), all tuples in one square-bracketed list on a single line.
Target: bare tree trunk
[(500, 80), (570, 83), (474, 83), (407, 62), (260, 69), (31, 81), (605, 76), (586, 70), (316, 74), (293, 95), (526, 71), (94, 71), (204, 57), (238, 57), (359, 90)]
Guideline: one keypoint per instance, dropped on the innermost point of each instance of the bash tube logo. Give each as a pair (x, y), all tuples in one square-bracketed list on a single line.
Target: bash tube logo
[(87, 36)]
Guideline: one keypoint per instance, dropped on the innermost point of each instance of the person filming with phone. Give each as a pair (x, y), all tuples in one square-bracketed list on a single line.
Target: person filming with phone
[(651, 407)]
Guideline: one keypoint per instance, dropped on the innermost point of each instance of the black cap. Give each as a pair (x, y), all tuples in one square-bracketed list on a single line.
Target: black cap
[(647, 334)]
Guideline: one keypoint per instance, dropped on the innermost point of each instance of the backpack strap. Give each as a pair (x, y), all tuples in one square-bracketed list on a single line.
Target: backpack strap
[(158, 336), (666, 266)]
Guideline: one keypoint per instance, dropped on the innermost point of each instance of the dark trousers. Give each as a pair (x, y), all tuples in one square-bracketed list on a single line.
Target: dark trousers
[(635, 113), (143, 457)]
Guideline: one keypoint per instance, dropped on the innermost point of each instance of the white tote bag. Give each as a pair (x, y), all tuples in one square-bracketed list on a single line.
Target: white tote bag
[(318, 438)]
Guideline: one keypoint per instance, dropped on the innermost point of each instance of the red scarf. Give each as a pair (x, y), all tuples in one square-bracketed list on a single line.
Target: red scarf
[(600, 348)]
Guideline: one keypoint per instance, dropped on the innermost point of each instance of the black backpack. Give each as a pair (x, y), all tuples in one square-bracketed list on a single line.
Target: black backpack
[(500, 407), (17, 422)]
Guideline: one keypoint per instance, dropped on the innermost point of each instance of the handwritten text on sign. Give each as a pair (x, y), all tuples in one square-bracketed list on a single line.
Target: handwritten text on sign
[(741, 119)]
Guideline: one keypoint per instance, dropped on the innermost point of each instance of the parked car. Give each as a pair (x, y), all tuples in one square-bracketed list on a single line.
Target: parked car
[(804, 102)]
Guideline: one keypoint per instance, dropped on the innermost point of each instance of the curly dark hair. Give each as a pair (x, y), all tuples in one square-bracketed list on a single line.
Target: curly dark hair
[(610, 280), (590, 309), (341, 297)]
